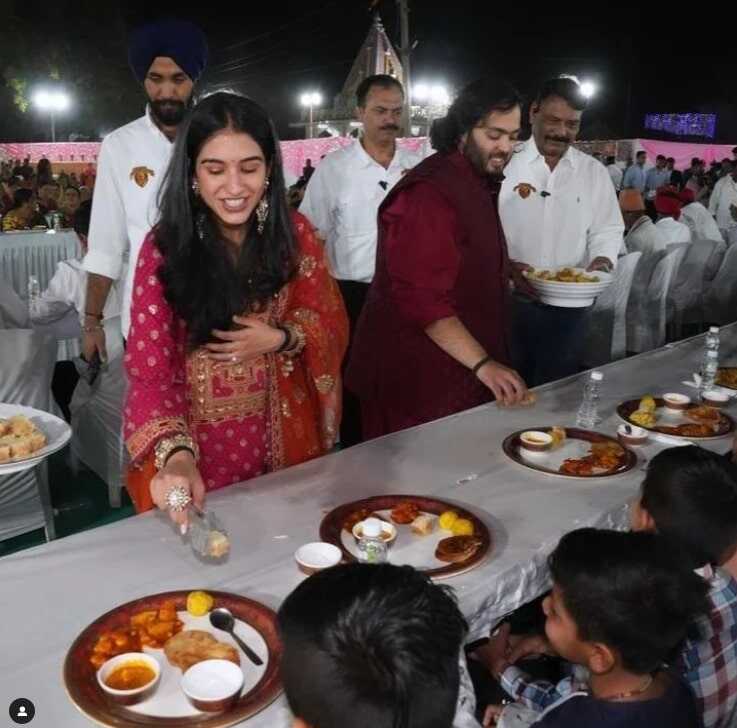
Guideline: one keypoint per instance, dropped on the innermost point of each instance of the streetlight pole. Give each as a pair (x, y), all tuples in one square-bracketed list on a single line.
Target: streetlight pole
[(51, 101), (310, 100), (405, 52)]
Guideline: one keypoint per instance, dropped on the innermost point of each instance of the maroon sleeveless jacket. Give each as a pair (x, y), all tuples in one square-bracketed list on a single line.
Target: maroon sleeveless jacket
[(402, 377)]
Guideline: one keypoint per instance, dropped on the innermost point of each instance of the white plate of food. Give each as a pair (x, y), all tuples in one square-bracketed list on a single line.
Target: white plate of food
[(27, 436), (568, 287)]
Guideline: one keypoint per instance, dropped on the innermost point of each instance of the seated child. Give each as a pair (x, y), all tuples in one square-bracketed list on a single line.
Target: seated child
[(690, 496), (371, 647), (620, 605)]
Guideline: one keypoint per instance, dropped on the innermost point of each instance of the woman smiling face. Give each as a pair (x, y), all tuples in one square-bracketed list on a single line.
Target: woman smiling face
[(231, 172)]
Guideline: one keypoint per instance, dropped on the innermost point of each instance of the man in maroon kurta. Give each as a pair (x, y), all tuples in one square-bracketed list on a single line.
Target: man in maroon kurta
[(433, 336)]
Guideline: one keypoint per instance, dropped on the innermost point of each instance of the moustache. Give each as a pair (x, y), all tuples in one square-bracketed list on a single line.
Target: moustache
[(389, 128), (562, 140)]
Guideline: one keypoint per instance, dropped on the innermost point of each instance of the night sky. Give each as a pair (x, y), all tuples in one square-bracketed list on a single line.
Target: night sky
[(640, 61)]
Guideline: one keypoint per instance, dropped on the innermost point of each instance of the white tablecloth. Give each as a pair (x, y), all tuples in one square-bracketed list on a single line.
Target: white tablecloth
[(53, 591), (36, 253)]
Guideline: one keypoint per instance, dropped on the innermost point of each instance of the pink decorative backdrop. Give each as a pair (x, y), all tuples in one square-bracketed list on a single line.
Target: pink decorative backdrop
[(295, 153), (684, 153), (58, 152)]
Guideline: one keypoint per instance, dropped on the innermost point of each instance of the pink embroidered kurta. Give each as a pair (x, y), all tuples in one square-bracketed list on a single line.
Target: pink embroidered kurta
[(246, 417)]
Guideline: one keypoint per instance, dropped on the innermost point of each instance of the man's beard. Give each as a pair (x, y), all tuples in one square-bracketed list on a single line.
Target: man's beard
[(168, 112), (480, 161)]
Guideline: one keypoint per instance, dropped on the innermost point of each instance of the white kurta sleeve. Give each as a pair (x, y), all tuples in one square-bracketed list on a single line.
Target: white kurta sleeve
[(108, 237), (604, 238), (714, 201), (318, 201)]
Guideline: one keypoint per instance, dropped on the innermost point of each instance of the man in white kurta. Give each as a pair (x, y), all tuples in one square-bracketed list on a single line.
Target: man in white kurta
[(167, 57), (342, 202), (699, 219), (558, 208), (668, 204), (723, 202)]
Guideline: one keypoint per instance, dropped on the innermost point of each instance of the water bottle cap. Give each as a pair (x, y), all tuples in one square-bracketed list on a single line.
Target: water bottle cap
[(597, 376), (713, 329), (371, 527)]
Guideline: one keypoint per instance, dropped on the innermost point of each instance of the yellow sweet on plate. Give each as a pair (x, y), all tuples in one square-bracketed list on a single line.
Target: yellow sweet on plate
[(199, 603), (647, 404), (462, 527), (643, 418), (447, 519)]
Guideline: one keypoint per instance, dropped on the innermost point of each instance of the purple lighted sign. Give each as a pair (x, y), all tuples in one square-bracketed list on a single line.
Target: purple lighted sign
[(702, 125)]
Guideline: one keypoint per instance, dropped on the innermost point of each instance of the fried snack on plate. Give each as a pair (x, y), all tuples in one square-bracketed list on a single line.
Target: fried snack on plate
[(688, 430), (423, 525), (643, 418), (577, 466), (647, 404), (193, 646), (703, 413), (405, 512), (457, 549), (156, 627), (356, 517), (112, 643), (559, 436)]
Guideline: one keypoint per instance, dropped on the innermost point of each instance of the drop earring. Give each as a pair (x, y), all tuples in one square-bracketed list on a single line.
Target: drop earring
[(262, 210)]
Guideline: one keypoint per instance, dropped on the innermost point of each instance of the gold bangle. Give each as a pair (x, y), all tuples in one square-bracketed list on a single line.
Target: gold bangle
[(297, 337), (164, 448)]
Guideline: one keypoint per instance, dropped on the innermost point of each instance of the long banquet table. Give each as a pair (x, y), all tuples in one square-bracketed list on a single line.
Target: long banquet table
[(48, 594)]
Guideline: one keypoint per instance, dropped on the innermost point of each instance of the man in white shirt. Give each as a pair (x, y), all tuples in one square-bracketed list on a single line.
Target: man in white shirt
[(342, 202), (668, 205), (723, 202), (642, 235), (558, 208), (615, 172), (699, 220), (657, 177), (167, 57), (635, 176)]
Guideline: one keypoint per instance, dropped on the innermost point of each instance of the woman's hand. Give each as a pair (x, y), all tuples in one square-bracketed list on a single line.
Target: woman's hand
[(492, 715), (180, 471), (255, 338)]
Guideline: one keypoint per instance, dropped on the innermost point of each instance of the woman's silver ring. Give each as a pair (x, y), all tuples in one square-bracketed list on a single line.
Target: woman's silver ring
[(234, 359), (178, 498)]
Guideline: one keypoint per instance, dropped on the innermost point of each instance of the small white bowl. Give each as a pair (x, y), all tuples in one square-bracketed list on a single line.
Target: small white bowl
[(129, 697), (675, 401), (314, 557), (388, 532), (715, 399), (212, 685), (637, 436), (536, 441)]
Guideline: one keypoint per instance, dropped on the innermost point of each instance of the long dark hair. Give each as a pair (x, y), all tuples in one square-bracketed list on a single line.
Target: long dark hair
[(474, 103), (201, 282)]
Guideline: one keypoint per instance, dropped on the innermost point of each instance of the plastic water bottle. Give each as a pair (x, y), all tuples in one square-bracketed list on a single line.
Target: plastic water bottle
[(712, 339), (372, 548), (588, 412), (709, 370), (34, 295)]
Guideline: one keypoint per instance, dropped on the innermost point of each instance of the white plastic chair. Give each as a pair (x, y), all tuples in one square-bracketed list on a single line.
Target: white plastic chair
[(720, 305), (647, 319), (27, 361), (686, 298), (13, 310), (607, 327)]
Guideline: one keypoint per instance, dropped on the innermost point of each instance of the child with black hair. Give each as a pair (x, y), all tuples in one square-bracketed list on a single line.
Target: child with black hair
[(690, 496), (620, 605), (371, 647)]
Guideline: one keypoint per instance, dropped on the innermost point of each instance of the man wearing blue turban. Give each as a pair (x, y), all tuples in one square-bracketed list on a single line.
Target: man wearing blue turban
[(167, 57)]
